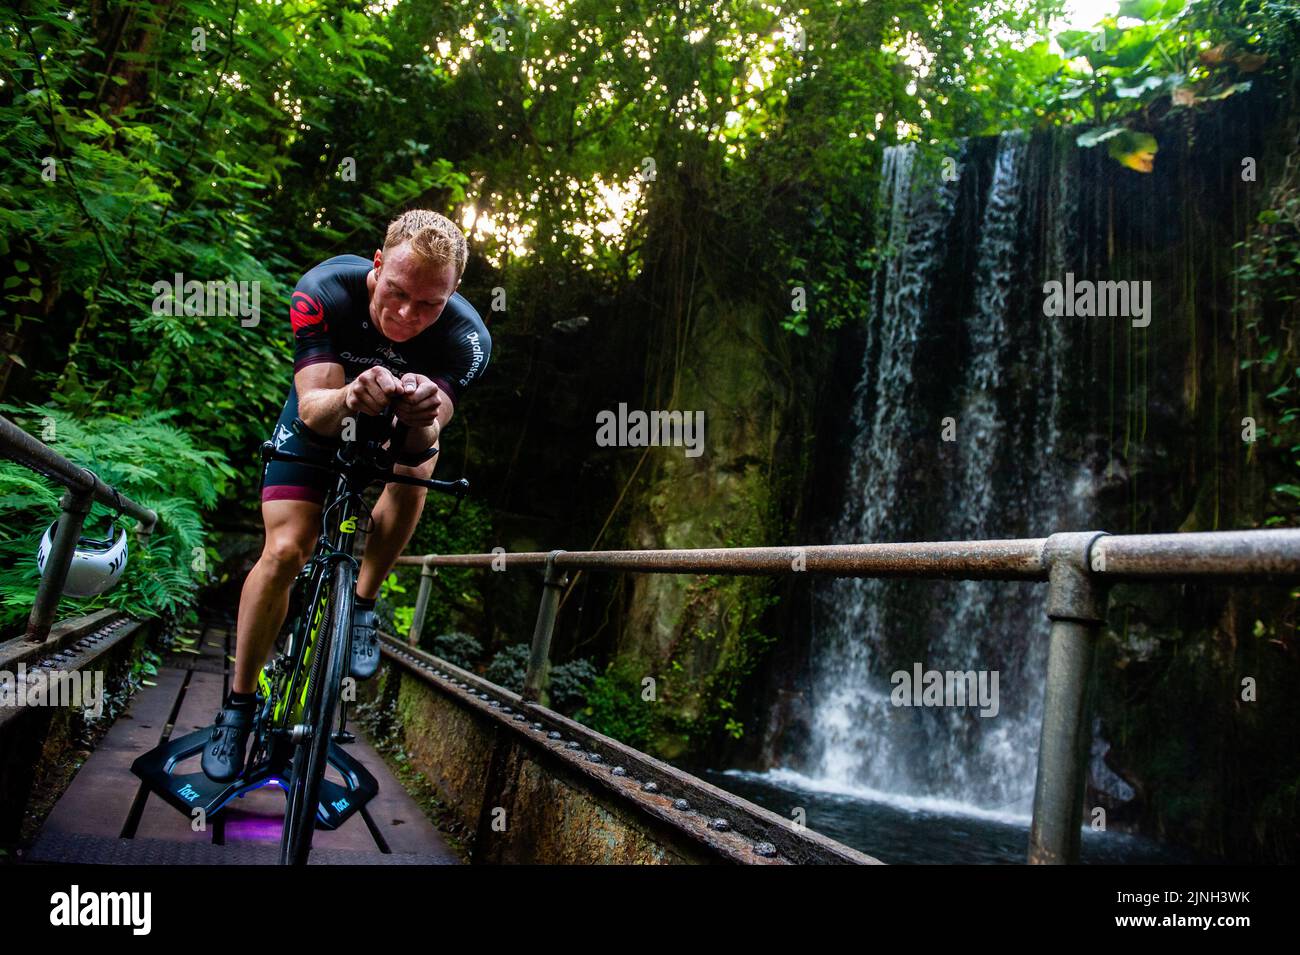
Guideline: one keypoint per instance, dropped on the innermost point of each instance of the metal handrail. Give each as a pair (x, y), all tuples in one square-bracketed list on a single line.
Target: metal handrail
[(83, 488), (1078, 568), (1240, 554)]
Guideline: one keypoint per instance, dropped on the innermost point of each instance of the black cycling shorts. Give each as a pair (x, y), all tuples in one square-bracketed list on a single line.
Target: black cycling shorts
[(289, 480)]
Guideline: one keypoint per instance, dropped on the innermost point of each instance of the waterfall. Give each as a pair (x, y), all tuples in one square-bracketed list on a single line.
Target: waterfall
[(956, 337)]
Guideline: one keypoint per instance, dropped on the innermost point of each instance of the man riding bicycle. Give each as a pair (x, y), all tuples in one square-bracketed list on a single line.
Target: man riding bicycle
[(367, 335)]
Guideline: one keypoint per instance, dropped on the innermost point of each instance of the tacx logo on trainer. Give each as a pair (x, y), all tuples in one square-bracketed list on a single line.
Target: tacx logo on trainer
[(188, 793)]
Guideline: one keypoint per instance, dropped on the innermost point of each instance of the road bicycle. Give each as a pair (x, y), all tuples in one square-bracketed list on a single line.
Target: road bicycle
[(299, 689), (302, 685)]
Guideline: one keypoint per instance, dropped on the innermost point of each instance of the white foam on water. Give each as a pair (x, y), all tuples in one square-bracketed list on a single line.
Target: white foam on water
[(932, 805)]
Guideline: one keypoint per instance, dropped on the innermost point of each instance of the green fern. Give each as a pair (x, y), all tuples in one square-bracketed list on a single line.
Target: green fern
[(148, 460)]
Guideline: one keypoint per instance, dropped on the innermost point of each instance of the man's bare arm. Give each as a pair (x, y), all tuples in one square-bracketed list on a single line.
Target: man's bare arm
[(324, 399), (321, 397)]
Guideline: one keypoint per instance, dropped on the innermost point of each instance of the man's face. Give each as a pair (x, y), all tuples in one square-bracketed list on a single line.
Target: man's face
[(406, 295)]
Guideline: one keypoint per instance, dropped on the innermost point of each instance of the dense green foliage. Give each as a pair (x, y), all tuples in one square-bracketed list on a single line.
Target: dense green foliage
[(458, 648), (244, 142), (1268, 275), (151, 461), (616, 706), (568, 682)]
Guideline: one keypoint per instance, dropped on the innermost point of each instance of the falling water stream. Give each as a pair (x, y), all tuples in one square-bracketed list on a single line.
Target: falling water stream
[(861, 738), (957, 425)]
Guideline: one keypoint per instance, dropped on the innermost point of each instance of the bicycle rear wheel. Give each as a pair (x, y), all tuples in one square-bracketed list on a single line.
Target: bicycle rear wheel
[(329, 662)]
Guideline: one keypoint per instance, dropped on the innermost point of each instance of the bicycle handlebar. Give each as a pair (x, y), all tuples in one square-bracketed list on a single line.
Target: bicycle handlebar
[(457, 487), (396, 437), (345, 456)]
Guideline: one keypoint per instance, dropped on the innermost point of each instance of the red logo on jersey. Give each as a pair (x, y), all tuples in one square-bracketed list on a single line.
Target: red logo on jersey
[(305, 311)]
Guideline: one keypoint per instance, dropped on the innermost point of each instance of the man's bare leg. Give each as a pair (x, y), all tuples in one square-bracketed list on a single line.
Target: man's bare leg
[(394, 518), (291, 531)]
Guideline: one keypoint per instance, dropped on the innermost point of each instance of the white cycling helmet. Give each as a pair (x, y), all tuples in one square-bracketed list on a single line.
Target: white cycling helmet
[(96, 565)]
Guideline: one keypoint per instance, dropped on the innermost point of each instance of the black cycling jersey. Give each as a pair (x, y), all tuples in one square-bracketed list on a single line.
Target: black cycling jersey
[(330, 312)]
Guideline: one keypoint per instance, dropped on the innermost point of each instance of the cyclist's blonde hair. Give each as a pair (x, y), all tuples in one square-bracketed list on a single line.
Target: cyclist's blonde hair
[(434, 238)]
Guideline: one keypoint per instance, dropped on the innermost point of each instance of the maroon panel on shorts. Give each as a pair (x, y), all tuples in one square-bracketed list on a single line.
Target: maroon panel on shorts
[(293, 492)]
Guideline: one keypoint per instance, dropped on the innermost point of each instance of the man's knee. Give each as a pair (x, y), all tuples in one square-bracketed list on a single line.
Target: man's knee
[(285, 554), (291, 530)]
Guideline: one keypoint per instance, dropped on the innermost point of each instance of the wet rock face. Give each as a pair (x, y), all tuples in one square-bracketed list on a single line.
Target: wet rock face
[(694, 632)]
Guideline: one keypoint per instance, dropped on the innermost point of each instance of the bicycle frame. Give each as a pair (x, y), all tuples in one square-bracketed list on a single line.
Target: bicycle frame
[(294, 704), (336, 542)]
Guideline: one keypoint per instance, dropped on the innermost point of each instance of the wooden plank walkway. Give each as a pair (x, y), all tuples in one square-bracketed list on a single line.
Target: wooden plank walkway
[(108, 817)]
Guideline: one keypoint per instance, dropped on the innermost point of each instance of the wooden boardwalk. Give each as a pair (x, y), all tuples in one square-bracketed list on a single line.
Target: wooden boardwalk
[(107, 816)]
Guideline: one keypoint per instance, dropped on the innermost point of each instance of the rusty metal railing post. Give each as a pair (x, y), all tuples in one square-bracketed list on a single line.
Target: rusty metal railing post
[(76, 505), (1076, 605), (427, 571), (539, 659)]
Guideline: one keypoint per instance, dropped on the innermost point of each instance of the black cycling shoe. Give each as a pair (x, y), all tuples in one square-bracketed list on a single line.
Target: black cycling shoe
[(365, 643), (223, 754)]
